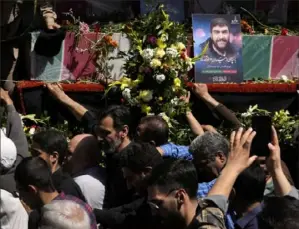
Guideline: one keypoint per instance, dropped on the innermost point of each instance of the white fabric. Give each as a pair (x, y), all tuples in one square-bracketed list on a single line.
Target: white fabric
[(92, 187), (8, 151), (12, 213)]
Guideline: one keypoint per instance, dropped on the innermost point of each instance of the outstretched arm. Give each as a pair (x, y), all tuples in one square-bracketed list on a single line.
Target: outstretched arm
[(201, 91), (14, 127)]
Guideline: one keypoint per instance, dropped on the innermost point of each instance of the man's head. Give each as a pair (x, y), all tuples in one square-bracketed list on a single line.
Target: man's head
[(153, 129), (220, 30), (279, 213), (33, 177), (84, 153), (172, 190), (8, 153), (64, 214), (113, 130), (246, 195), (138, 160), (50, 145), (210, 153)]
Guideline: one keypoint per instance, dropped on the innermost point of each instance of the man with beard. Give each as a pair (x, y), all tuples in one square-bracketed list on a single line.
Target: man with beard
[(172, 189), (219, 46), (137, 162), (113, 133)]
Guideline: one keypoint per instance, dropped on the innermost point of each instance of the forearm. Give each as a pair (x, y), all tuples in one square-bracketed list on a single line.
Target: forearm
[(224, 183), (77, 109), (15, 131), (194, 124), (281, 184), (209, 100)]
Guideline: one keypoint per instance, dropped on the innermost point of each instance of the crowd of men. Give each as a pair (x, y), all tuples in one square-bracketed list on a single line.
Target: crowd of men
[(105, 178)]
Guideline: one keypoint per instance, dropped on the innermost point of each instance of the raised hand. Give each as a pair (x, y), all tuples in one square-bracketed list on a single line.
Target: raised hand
[(240, 143)]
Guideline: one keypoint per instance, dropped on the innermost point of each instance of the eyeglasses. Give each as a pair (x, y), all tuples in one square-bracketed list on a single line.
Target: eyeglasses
[(156, 204)]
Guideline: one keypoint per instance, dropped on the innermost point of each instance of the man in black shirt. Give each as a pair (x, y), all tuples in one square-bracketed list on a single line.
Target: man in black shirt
[(137, 162), (52, 146)]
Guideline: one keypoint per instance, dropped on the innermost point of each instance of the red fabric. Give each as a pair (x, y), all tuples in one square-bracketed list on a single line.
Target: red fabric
[(78, 63)]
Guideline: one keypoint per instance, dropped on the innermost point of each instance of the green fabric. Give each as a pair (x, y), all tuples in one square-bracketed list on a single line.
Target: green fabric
[(256, 56), (269, 190)]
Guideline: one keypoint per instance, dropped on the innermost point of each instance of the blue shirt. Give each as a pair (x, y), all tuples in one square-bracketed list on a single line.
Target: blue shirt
[(176, 151), (249, 221), (203, 190)]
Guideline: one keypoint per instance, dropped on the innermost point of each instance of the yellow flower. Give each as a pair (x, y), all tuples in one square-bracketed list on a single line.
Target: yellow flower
[(266, 31), (137, 81), (180, 46), (161, 44), (145, 109), (125, 82), (159, 53), (155, 63), (160, 98), (177, 82), (146, 95)]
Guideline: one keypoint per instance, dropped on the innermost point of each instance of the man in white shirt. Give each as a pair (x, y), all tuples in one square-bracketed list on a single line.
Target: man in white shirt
[(12, 213), (85, 169)]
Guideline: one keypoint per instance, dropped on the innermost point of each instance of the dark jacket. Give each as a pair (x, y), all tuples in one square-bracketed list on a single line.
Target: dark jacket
[(230, 50), (14, 131), (65, 183), (116, 191), (134, 215)]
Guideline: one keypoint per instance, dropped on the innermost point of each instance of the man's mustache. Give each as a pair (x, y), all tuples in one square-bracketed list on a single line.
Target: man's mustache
[(224, 40)]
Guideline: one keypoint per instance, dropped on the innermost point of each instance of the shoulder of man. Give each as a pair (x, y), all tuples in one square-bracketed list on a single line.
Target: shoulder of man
[(209, 215)]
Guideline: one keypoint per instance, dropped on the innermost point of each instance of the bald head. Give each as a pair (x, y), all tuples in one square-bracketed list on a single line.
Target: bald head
[(76, 140), (85, 151)]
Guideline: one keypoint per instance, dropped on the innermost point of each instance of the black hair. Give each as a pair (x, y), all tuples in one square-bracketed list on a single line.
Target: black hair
[(138, 156), (174, 174), (51, 141), (250, 184), (279, 213), (155, 129), (219, 22), (34, 171), (120, 115)]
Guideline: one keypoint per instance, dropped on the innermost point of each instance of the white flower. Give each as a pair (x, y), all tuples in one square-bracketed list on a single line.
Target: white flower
[(171, 52), (126, 94), (155, 63), (164, 37), (32, 131), (189, 65), (159, 53), (284, 78), (147, 54), (160, 78), (174, 101)]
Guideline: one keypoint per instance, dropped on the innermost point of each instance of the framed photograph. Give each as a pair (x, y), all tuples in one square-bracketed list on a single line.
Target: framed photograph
[(219, 38)]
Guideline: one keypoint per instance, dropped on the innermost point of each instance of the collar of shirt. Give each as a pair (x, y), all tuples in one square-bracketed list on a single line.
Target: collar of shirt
[(249, 218)]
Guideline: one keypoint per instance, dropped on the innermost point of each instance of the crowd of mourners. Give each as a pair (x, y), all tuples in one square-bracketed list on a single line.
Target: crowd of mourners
[(116, 177)]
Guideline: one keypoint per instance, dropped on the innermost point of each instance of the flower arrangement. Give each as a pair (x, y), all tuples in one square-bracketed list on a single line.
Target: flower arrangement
[(100, 44), (284, 123), (157, 65)]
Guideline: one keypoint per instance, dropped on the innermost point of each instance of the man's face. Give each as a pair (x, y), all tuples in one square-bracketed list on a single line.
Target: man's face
[(37, 152), (220, 36), (167, 207), (134, 180), (208, 170), (109, 137), (30, 197)]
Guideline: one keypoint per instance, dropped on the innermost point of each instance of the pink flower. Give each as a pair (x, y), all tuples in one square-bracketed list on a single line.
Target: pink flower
[(83, 28), (152, 40)]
